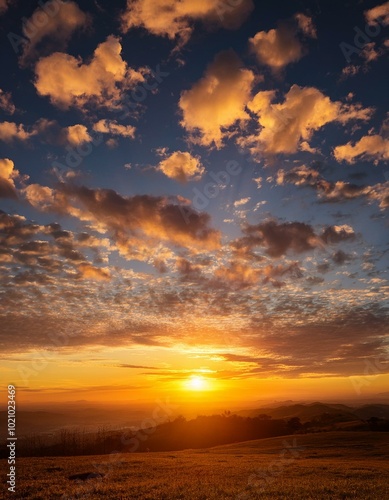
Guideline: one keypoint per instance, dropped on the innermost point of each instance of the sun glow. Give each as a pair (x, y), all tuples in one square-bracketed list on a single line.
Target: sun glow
[(197, 383)]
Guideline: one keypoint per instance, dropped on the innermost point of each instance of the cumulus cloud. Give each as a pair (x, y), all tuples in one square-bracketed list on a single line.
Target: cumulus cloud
[(10, 131), (279, 238), (285, 126), (6, 103), (281, 46), (368, 147), (138, 224), (181, 166), (114, 128), (7, 176), (77, 134), (378, 14), (67, 81), (54, 32), (217, 101), (175, 18)]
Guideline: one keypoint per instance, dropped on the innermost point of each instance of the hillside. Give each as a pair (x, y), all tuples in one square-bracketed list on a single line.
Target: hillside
[(331, 466), (306, 412)]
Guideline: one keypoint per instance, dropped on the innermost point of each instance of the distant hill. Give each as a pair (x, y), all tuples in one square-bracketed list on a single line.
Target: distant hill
[(307, 412)]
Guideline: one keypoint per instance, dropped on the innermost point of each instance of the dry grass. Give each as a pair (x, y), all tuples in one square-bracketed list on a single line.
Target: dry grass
[(341, 465)]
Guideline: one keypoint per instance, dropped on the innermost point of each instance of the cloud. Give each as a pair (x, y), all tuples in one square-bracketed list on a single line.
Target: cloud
[(340, 257), (281, 46), (175, 18), (48, 31), (10, 131), (242, 201), (6, 103), (217, 101), (378, 14), (285, 126), (138, 224), (4, 4), (87, 271), (114, 128), (368, 147), (181, 166), (7, 176), (278, 238), (67, 81), (239, 274), (77, 134), (333, 192), (306, 25)]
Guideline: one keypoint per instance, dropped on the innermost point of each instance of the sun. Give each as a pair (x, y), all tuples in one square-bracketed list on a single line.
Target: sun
[(197, 383)]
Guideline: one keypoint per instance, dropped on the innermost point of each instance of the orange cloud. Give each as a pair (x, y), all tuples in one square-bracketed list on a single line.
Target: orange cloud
[(113, 128), (67, 81), (182, 167), (278, 47), (138, 224), (175, 18), (7, 176), (78, 134), (87, 271), (217, 102), (10, 131), (380, 12), (288, 126), (368, 147)]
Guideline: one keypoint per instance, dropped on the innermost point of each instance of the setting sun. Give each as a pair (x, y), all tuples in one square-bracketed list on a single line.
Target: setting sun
[(197, 383)]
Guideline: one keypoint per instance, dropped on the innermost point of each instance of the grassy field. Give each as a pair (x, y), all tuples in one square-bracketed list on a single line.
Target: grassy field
[(337, 465)]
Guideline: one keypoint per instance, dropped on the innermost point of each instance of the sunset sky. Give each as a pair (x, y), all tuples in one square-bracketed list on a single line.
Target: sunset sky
[(194, 199)]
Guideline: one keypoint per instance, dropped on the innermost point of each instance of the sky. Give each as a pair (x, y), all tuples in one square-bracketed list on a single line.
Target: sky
[(194, 199)]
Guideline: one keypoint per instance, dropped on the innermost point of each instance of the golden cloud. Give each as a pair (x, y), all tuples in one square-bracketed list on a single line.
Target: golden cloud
[(285, 127), (217, 102), (67, 81), (281, 46), (380, 12), (182, 167), (10, 131), (87, 271), (7, 176), (78, 134), (174, 18), (138, 224), (368, 147), (113, 128)]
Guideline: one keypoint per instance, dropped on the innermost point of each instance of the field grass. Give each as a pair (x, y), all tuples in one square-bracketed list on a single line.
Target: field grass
[(336, 465)]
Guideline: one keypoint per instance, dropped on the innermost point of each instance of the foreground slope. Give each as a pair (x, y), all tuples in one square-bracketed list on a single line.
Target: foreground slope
[(337, 465)]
